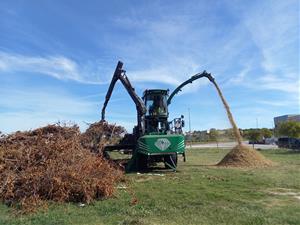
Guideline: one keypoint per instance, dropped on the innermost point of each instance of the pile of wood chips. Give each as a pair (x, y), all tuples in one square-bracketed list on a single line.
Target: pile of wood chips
[(243, 156), (57, 163)]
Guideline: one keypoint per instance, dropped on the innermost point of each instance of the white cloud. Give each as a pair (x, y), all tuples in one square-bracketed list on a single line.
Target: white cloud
[(275, 31), (28, 109), (273, 82), (255, 47), (165, 49), (59, 67), (273, 28), (239, 79), (159, 75), (277, 103), (255, 53)]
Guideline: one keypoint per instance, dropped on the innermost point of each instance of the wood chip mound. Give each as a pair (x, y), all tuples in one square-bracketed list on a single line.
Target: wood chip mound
[(54, 163), (243, 156)]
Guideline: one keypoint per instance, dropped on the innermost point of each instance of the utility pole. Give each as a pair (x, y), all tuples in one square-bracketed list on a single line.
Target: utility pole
[(189, 121), (256, 123), (273, 128), (190, 131)]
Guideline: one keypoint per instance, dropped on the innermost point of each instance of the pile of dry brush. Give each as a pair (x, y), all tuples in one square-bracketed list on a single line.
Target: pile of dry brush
[(57, 163)]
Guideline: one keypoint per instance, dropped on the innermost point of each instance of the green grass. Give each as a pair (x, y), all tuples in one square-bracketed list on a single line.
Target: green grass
[(197, 194)]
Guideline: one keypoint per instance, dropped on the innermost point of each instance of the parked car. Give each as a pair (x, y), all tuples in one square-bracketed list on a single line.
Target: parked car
[(271, 141), (287, 142), (260, 142)]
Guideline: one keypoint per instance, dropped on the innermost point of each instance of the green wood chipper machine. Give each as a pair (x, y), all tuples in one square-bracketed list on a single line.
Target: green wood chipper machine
[(154, 138)]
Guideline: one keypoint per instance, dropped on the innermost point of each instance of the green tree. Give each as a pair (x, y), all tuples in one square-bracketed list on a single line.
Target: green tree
[(254, 135), (266, 133), (229, 134), (290, 129), (214, 136)]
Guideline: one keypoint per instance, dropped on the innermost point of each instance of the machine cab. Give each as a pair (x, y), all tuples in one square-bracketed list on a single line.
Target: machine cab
[(156, 102), (157, 110)]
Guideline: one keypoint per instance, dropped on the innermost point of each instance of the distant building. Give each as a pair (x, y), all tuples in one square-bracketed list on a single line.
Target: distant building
[(284, 118)]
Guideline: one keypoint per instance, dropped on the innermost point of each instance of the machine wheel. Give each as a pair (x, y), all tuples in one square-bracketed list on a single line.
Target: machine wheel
[(171, 161), (106, 155), (142, 162)]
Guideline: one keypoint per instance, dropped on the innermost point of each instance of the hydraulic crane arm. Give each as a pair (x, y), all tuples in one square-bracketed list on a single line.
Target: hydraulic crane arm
[(120, 74), (189, 81)]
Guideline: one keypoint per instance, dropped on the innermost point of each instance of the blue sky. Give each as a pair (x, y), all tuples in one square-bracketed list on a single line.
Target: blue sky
[(57, 59)]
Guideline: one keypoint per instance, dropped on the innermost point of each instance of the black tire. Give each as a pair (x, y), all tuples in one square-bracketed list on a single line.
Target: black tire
[(142, 162), (171, 161), (106, 155)]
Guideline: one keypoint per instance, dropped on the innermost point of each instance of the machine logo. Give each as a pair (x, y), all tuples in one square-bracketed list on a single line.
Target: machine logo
[(162, 143)]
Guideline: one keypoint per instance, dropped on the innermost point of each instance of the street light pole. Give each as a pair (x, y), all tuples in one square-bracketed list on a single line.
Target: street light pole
[(190, 131), (189, 121)]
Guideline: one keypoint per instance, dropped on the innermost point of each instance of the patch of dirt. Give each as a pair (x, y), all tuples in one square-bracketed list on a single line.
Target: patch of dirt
[(214, 178), (285, 192), (56, 163)]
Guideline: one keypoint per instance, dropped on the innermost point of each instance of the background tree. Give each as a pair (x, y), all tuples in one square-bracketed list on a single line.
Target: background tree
[(229, 134), (266, 133), (290, 129), (254, 135), (214, 135)]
